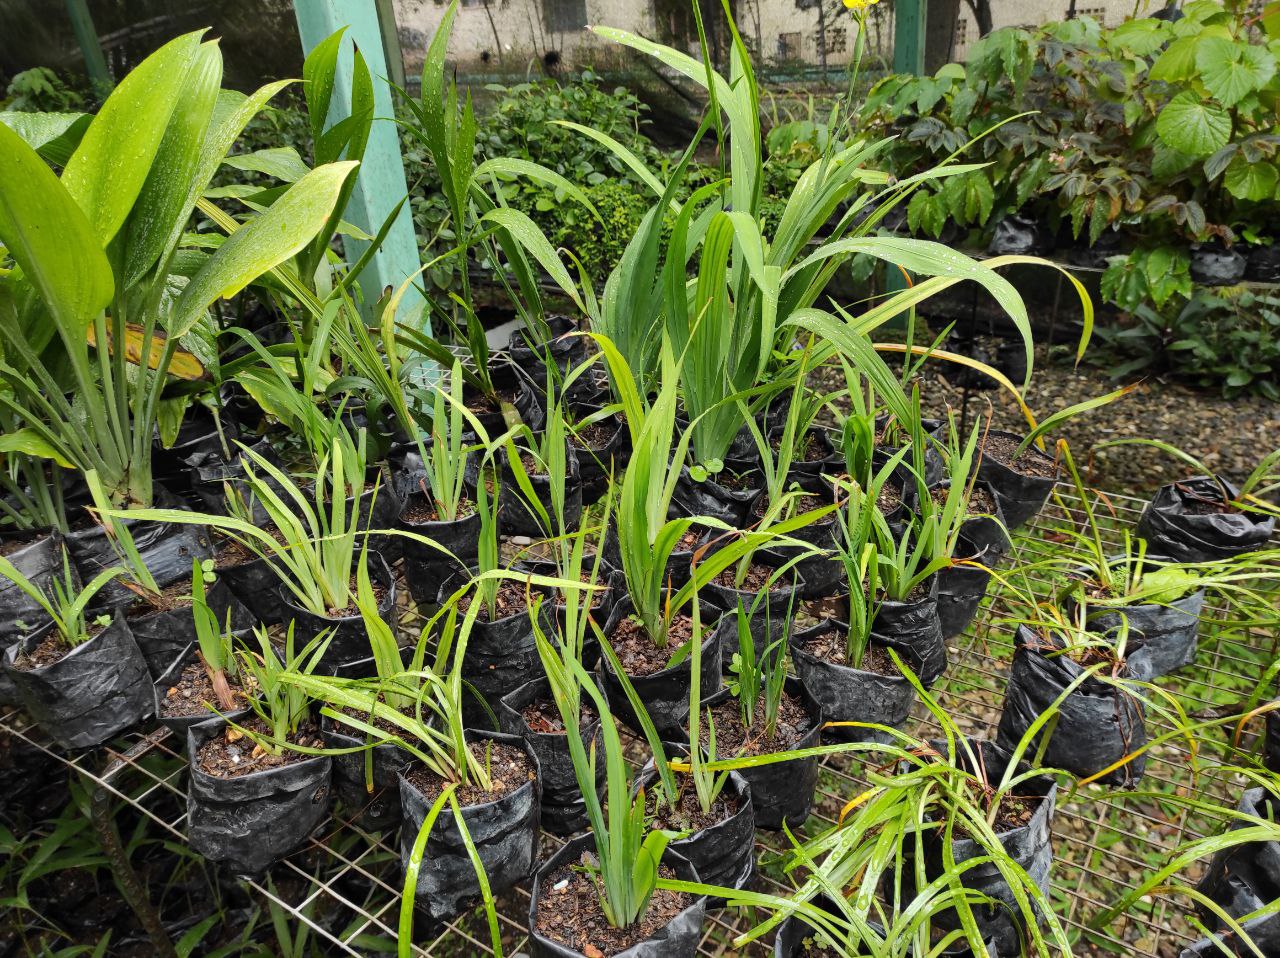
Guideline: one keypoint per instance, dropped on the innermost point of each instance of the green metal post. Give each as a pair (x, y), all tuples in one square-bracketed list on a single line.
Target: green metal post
[(391, 42), (95, 63), (908, 36), (381, 180)]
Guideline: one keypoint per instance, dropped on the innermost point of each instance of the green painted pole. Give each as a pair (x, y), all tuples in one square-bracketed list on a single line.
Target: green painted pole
[(908, 36), (381, 181), (391, 42), (908, 57), (95, 62)]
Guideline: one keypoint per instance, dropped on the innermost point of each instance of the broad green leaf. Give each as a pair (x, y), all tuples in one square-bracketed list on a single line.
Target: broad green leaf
[(54, 136), (1178, 62), (49, 236), (1231, 70), (164, 205), (1270, 19), (1250, 181), (30, 443), (1193, 126), (280, 162), (107, 171), (319, 70), (264, 242)]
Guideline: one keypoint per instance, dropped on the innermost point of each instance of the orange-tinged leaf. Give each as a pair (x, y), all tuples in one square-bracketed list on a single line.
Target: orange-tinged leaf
[(183, 364)]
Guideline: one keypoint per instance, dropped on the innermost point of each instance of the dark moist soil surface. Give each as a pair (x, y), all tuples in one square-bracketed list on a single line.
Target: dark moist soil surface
[(569, 912), (980, 501), (888, 500), (49, 651), (687, 815), (800, 505), (812, 448), (1014, 812), (233, 753), (420, 510), (19, 540), (637, 651), (509, 768), (738, 482), (543, 717), (175, 596), (193, 693), (511, 600), (1002, 449), (353, 610), (531, 465), (756, 579), (484, 404), (832, 647), (733, 738), (594, 435)]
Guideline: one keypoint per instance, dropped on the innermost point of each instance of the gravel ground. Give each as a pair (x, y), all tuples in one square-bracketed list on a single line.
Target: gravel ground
[(1230, 435)]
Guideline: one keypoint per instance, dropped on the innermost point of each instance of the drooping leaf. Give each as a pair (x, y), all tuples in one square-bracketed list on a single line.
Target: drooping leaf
[(54, 136), (266, 241), (183, 364), (280, 162), (28, 442)]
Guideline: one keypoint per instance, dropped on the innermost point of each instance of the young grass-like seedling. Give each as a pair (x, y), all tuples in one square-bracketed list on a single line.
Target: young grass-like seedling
[(281, 704), (65, 603), (216, 644), (757, 679)]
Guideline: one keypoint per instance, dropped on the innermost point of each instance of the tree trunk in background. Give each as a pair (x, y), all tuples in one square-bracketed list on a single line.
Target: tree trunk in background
[(982, 14), (940, 33)]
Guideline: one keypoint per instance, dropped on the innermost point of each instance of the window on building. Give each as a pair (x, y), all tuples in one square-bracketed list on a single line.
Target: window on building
[(563, 16), (837, 40), (1098, 13), (962, 32), (789, 46)]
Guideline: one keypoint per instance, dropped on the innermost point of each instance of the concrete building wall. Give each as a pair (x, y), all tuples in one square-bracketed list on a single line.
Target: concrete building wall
[(510, 34)]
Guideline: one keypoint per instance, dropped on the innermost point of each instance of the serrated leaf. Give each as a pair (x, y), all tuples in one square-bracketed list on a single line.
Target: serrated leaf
[(1193, 126), (1231, 70)]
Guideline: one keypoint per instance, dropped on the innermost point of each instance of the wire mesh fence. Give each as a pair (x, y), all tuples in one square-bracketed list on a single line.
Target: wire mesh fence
[(345, 883)]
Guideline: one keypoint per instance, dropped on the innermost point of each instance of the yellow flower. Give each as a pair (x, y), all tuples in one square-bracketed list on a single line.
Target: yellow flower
[(856, 5)]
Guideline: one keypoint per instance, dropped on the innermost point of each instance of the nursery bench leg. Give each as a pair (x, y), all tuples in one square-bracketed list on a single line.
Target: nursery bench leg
[(135, 893)]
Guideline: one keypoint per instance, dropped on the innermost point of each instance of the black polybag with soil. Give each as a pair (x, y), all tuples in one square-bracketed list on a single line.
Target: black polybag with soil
[(504, 833), (1098, 724), (95, 691), (249, 822), (677, 939), (563, 809), (1184, 522)]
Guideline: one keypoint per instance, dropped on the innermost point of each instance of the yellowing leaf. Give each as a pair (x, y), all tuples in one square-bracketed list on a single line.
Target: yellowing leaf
[(183, 364)]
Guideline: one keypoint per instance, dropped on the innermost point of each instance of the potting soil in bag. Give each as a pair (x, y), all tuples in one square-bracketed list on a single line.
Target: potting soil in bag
[(1167, 632), (1182, 522), (1098, 724), (96, 690), (723, 854), (249, 822), (40, 557), (1029, 845), (1021, 491), (846, 694), (504, 833), (562, 808), (678, 938), (914, 625)]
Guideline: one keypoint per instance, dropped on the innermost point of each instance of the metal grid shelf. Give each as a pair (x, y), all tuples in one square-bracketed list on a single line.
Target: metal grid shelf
[(346, 881)]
